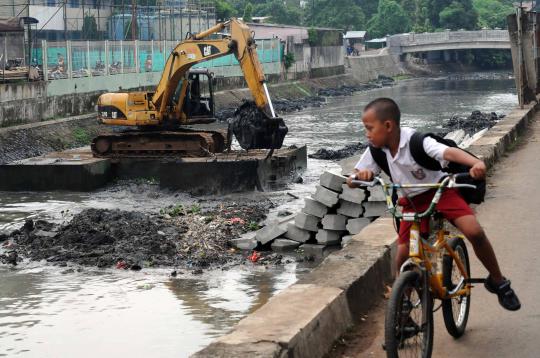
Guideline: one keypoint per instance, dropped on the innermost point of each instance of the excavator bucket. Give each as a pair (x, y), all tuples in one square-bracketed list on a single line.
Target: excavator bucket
[(254, 129)]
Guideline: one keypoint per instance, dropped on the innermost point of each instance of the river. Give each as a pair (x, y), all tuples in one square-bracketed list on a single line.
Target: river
[(63, 312)]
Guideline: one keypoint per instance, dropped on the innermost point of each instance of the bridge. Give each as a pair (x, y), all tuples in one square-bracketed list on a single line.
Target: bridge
[(448, 40)]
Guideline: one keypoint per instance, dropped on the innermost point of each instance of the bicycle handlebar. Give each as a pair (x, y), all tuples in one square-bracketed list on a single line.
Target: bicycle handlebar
[(449, 181)]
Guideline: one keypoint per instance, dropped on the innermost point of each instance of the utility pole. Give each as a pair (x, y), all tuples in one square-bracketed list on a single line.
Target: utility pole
[(133, 20)]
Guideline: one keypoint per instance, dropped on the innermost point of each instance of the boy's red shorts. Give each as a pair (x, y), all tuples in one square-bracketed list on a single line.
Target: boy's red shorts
[(451, 206)]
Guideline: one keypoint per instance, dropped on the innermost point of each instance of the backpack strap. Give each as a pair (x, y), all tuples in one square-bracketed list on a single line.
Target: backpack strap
[(379, 156), (416, 146), (380, 159)]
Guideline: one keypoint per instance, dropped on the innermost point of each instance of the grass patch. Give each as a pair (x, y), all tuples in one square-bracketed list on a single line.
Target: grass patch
[(81, 136)]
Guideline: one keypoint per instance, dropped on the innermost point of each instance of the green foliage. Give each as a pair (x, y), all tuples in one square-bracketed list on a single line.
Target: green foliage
[(280, 12), (176, 210), (390, 19), (492, 59), (339, 14), (313, 36), (89, 28), (458, 15), (253, 226), (81, 136), (224, 10), (288, 60), (248, 13), (492, 13), (195, 209)]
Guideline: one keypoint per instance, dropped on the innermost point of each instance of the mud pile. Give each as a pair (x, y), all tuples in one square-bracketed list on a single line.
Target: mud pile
[(338, 154), (473, 123), (177, 237), (255, 130)]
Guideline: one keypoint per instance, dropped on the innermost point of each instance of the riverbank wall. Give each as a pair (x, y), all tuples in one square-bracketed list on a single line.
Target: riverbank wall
[(373, 64), (306, 318)]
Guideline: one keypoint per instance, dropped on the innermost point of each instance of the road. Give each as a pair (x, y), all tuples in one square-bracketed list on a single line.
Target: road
[(510, 216)]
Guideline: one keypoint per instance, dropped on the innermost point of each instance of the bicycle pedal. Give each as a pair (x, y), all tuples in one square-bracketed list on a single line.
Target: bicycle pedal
[(475, 280)]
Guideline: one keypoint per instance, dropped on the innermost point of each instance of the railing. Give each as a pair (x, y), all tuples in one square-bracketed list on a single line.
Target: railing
[(75, 59), (413, 39)]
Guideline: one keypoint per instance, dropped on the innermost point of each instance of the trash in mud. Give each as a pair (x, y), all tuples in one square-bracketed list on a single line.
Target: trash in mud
[(133, 240), (337, 154), (255, 130), (473, 123)]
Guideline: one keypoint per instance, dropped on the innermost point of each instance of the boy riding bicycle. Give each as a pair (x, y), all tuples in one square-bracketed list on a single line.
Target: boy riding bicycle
[(381, 119)]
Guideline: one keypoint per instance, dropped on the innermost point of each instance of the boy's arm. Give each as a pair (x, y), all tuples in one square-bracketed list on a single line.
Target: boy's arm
[(478, 167), (364, 170)]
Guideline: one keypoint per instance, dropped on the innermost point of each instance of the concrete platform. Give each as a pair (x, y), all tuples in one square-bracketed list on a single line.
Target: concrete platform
[(74, 170), (78, 170)]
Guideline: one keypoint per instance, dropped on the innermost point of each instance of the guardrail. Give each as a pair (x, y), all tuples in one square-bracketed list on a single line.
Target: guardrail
[(414, 39)]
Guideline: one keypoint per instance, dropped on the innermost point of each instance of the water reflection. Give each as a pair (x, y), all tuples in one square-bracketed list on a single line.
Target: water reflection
[(48, 312)]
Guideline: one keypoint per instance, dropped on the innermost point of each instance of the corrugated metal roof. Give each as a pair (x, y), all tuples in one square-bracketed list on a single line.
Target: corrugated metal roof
[(10, 25), (355, 34)]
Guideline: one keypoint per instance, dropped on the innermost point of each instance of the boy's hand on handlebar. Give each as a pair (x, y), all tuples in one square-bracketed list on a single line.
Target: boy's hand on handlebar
[(363, 175), (478, 171)]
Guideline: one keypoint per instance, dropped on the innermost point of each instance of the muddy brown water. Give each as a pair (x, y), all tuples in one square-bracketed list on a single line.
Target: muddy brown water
[(62, 312)]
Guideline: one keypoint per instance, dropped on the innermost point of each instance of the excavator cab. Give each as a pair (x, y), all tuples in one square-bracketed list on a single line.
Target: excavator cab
[(199, 97)]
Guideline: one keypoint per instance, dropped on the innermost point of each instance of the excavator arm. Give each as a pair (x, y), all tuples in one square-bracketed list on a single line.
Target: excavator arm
[(197, 49)]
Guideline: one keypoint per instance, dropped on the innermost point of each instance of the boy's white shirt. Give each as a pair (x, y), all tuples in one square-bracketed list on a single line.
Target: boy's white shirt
[(403, 168)]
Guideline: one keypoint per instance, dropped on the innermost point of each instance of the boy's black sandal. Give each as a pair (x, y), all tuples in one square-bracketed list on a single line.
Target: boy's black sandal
[(507, 297)]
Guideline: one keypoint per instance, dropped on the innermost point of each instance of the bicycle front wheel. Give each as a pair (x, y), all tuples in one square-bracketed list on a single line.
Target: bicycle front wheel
[(409, 318), (456, 309)]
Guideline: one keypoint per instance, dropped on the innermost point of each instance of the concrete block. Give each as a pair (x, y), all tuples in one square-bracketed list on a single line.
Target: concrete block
[(313, 207), (334, 222), (328, 237), (332, 181), (246, 241), (374, 208), (345, 240), (326, 196), (350, 209), (355, 195), (284, 245), (269, 233), (297, 234), (376, 194), (307, 222), (313, 249), (354, 226)]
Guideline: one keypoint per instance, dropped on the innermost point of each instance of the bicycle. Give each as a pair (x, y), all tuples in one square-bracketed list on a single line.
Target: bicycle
[(437, 268)]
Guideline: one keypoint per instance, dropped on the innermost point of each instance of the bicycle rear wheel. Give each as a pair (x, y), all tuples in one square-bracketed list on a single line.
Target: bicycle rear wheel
[(455, 310), (409, 318)]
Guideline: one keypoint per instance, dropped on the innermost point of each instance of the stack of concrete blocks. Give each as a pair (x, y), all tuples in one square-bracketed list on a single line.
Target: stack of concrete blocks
[(330, 217)]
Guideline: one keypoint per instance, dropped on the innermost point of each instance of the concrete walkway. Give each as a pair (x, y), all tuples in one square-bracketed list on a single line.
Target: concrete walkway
[(511, 218)]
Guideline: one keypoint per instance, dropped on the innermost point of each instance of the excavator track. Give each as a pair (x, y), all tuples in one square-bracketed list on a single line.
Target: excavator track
[(184, 143)]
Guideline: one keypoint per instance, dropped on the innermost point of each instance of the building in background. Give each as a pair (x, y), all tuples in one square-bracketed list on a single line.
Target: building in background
[(355, 42)]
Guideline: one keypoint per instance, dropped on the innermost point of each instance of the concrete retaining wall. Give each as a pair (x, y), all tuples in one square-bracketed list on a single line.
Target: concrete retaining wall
[(369, 67), (305, 319)]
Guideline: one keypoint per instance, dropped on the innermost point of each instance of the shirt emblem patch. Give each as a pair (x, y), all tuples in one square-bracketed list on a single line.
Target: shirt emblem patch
[(419, 174)]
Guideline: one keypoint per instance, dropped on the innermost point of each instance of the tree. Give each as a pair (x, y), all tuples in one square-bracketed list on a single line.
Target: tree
[(390, 19), (341, 14), (224, 10), (89, 28), (248, 13), (492, 13), (458, 15), (280, 13), (369, 7)]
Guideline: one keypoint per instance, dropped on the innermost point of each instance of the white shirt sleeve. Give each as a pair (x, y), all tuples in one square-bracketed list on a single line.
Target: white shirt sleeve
[(435, 150), (366, 162)]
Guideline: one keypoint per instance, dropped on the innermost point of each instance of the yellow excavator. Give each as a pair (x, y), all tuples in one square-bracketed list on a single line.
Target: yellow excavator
[(178, 117)]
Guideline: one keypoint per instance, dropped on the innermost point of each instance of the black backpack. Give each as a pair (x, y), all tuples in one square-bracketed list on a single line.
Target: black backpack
[(416, 146)]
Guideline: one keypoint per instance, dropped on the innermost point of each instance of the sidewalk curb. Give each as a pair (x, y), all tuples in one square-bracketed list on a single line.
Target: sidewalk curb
[(305, 319)]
